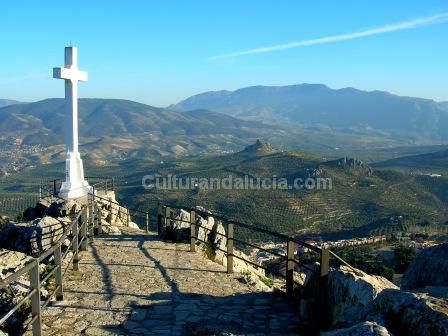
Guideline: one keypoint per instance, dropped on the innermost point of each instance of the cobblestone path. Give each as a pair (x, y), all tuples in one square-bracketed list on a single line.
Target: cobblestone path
[(138, 285)]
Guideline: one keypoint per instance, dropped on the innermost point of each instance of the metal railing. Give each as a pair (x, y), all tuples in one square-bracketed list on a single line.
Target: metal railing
[(79, 234), (166, 218)]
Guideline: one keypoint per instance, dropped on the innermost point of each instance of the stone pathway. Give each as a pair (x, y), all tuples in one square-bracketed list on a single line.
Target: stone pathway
[(138, 285)]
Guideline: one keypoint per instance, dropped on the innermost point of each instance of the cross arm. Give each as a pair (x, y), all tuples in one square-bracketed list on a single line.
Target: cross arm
[(70, 74)]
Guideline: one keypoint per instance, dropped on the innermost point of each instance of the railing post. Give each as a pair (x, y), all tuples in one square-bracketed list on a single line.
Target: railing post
[(84, 229), (75, 244), (91, 214), (290, 267), (167, 222), (35, 299), (98, 218), (54, 187), (40, 192), (323, 286), (128, 217), (230, 235), (159, 219), (193, 231), (147, 222), (58, 273)]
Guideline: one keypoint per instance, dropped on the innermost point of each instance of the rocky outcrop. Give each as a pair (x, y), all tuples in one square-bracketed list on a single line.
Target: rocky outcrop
[(213, 232), (429, 268), (357, 298), (408, 313), (353, 165), (361, 329), (350, 293), (34, 237), (10, 261), (113, 216), (54, 207)]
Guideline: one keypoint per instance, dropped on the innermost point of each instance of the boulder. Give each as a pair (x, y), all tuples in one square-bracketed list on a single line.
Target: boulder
[(63, 208), (412, 314), (350, 293), (34, 237), (361, 329), (3, 220), (429, 268), (11, 261), (46, 232)]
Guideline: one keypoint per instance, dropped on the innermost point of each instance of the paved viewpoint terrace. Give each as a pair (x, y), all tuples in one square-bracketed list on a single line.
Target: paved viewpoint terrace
[(136, 284)]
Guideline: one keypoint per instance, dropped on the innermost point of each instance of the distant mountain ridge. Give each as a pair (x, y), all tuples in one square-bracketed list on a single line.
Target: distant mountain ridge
[(316, 104), (113, 117), (7, 102)]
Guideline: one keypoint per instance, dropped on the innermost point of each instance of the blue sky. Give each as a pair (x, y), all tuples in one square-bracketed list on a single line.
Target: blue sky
[(159, 52)]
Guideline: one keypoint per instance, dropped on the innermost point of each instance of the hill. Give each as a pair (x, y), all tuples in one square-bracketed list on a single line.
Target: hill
[(45, 118), (435, 162), (316, 104), (362, 200), (112, 129), (7, 102)]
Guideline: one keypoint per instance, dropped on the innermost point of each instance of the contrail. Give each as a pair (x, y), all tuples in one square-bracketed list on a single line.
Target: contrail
[(414, 23)]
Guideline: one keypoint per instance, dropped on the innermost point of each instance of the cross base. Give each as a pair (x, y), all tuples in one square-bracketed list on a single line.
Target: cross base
[(74, 186)]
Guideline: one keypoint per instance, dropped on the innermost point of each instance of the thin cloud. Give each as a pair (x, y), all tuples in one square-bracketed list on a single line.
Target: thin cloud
[(411, 24)]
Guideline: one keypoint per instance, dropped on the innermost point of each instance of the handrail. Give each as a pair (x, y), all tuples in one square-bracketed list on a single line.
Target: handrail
[(78, 229), (245, 225), (166, 217)]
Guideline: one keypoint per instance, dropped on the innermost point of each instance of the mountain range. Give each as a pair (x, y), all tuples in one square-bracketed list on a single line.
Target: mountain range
[(316, 104), (7, 102), (112, 129)]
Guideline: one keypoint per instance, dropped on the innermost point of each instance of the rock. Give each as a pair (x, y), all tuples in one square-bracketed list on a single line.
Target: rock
[(408, 313), (32, 238), (11, 261), (438, 292), (350, 293), (46, 232), (133, 225), (3, 220), (429, 268), (111, 229), (362, 329), (63, 208)]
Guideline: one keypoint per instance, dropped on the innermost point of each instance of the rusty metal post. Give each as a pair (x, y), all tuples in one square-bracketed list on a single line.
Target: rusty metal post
[(192, 231), (290, 267), (84, 229), (230, 235), (323, 287), (75, 243), (159, 219), (58, 273), (35, 299), (54, 187)]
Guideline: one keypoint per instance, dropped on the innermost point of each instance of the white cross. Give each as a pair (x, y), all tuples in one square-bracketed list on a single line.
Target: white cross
[(70, 71), (74, 186), (71, 74)]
